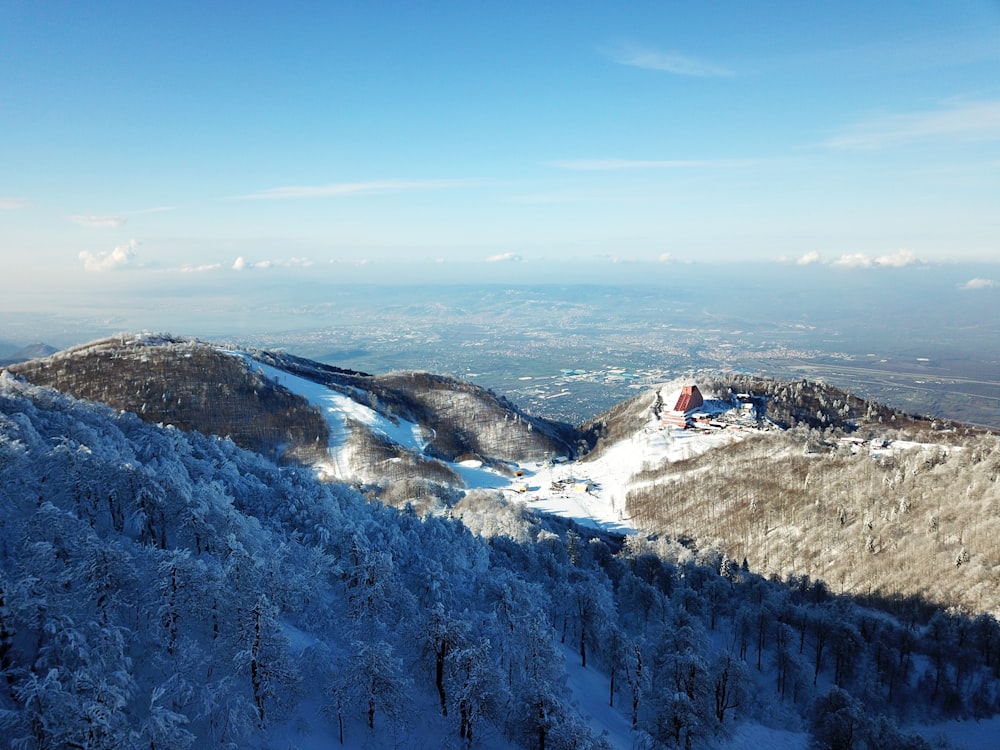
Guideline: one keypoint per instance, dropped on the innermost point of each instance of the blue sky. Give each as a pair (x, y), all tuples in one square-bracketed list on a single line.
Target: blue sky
[(178, 139)]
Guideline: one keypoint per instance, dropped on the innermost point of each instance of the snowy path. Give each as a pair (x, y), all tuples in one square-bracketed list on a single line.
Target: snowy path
[(589, 689), (338, 410)]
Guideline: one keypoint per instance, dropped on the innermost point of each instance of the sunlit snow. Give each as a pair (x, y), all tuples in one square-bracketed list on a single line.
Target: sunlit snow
[(592, 492)]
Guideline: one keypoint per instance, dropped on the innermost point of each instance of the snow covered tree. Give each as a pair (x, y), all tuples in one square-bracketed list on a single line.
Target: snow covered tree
[(377, 682), (443, 634), (371, 581), (592, 608), (164, 727), (7, 632), (682, 707), (730, 684), (637, 677), (264, 658), (476, 692)]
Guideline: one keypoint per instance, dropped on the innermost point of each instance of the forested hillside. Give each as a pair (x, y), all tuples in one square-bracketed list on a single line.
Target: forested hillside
[(187, 384), (245, 395), (163, 589), (890, 518)]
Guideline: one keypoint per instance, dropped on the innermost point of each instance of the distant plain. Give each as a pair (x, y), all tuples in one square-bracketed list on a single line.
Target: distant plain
[(919, 338)]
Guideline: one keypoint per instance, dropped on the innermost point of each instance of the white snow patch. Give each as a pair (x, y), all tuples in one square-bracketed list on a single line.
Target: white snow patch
[(593, 492), (590, 690), (480, 477), (963, 735), (339, 410), (756, 736)]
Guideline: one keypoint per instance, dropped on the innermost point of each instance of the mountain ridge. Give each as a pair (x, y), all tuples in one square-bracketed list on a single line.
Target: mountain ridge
[(224, 391), (766, 494)]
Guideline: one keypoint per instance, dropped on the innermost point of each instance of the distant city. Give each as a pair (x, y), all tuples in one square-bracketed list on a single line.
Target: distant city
[(916, 338), (572, 351)]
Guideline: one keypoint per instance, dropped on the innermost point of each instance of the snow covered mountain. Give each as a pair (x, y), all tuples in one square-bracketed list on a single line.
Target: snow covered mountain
[(164, 587), (741, 481), (405, 437)]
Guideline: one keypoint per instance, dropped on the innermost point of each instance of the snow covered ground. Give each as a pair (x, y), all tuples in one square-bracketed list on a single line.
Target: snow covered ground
[(592, 493), (339, 410)]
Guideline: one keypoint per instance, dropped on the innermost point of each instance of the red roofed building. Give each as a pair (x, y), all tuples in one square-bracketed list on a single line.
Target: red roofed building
[(688, 402)]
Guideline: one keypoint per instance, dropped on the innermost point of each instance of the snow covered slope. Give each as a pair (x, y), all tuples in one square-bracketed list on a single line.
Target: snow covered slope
[(341, 412), (403, 436), (591, 492)]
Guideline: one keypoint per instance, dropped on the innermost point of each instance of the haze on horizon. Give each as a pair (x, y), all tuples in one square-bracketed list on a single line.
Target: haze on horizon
[(157, 150)]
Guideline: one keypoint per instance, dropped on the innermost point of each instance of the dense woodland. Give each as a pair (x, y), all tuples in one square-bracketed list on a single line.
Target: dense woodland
[(197, 386), (163, 589), (167, 380)]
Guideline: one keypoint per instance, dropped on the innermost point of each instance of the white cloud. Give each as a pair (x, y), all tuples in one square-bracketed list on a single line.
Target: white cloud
[(639, 56), (200, 269), (340, 189), (978, 283), (897, 260), (120, 257), (241, 263), (853, 260), (504, 258), (12, 204), (112, 222), (809, 259), (972, 121), (666, 258), (616, 164)]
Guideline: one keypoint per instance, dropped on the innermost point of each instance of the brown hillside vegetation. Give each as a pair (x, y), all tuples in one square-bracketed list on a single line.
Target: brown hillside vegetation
[(620, 422), (923, 520), (459, 418), (199, 387), (468, 420), (190, 385), (823, 406)]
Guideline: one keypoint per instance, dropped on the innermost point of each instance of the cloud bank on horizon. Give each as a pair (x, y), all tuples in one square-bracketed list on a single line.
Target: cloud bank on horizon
[(900, 259), (860, 260), (241, 264)]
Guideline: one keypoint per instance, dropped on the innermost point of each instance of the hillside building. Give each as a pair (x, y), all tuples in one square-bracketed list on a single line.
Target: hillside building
[(689, 401)]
